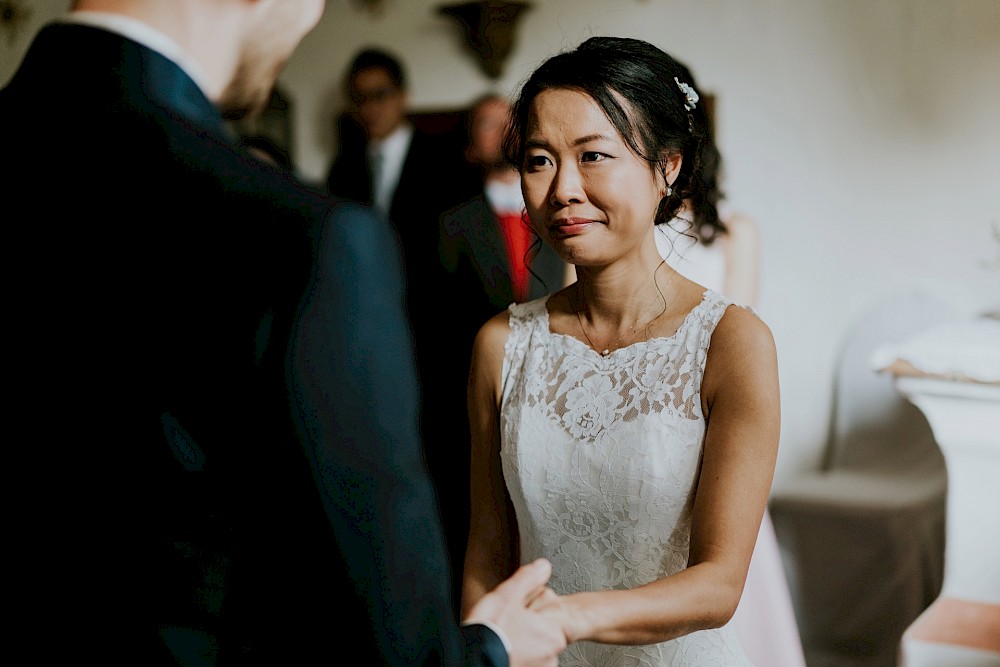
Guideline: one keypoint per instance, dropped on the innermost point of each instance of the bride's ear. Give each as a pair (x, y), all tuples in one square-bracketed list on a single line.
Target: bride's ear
[(671, 164)]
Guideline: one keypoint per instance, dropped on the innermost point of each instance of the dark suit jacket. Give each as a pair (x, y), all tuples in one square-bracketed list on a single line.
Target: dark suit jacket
[(212, 383)]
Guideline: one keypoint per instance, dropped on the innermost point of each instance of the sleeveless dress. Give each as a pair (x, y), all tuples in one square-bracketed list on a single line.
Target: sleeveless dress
[(601, 457)]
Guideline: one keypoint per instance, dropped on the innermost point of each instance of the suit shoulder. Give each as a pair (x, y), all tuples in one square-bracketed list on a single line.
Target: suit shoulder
[(360, 228)]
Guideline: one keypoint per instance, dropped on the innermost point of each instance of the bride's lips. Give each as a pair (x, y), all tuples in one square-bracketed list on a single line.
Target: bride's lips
[(569, 227)]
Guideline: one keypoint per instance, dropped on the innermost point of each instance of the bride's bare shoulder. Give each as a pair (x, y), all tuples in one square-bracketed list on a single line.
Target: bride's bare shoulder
[(494, 331), (741, 337)]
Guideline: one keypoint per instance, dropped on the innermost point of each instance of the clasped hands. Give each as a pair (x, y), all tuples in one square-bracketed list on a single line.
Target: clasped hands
[(533, 617)]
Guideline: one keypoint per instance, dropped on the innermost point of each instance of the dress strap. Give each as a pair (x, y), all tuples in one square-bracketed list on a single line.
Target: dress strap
[(715, 306), (524, 319)]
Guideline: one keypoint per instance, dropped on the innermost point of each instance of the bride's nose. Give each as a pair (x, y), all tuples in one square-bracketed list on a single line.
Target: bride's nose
[(567, 186)]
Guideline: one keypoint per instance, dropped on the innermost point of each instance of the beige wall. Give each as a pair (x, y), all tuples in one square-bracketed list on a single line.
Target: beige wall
[(861, 134)]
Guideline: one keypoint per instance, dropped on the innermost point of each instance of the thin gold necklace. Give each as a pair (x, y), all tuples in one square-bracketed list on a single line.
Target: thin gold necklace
[(606, 351), (631, 332)]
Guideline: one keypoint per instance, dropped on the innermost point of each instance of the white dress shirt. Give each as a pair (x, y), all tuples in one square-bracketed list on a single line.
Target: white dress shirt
[(386, 157)]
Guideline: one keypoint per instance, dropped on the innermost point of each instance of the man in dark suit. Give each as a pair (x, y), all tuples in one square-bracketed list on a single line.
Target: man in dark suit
[(212, 381), (407, 174)]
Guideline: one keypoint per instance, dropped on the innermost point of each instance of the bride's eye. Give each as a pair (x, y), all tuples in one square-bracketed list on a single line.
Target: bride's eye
[(593, 156), (536, 161)]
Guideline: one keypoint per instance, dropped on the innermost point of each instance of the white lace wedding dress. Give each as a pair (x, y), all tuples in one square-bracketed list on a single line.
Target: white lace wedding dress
[(601, 457)]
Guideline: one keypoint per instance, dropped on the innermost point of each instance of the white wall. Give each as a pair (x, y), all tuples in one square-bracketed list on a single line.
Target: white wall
[(863, 135)]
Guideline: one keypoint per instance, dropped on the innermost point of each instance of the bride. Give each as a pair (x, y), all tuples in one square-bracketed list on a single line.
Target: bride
[(625, 427)]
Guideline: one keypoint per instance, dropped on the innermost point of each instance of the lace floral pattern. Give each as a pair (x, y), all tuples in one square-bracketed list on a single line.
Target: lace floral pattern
[(601, 457)]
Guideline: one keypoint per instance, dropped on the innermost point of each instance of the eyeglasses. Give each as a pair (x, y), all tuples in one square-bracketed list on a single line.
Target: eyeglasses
[(378, 95)]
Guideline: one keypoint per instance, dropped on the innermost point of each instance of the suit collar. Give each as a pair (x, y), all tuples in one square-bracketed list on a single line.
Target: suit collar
[(146, 35), (86, 61)]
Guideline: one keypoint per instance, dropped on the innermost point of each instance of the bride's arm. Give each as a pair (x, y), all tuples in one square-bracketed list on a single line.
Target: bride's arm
[(740, 398), (491, 552)]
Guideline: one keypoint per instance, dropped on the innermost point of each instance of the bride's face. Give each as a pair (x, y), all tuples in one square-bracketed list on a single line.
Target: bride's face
[(587, 193)]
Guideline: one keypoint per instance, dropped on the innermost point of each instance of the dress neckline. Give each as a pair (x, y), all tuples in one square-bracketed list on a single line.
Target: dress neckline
[(656, 340)]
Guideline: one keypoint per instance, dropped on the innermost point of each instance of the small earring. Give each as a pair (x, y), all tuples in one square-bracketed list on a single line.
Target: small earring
[(670, 190)]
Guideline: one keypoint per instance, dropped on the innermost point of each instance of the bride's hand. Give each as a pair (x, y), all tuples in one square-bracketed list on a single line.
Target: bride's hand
[(545, 601), (541, 598)]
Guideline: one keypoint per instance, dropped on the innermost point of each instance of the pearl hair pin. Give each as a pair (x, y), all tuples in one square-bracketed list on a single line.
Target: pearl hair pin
[(690, 94)]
